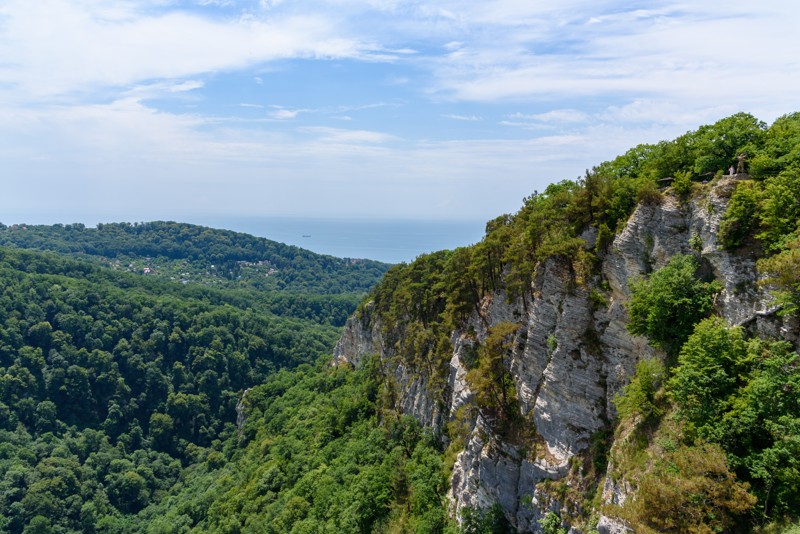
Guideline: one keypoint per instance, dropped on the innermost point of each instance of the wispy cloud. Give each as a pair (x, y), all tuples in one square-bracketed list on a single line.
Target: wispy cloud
[(283, 114), (468, 118), (339, 135), (103, 100), (693, 52), (556, 115), (61, 46)]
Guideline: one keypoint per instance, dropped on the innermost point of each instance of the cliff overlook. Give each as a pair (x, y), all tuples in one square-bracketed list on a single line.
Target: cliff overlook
[(570, 358)]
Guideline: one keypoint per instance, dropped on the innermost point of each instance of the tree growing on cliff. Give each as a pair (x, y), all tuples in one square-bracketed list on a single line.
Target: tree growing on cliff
[(666, 307), (783, 273), (491, 380), (638, 398)]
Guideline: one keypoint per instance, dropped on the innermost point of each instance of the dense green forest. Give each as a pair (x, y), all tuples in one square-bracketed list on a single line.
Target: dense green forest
[(190, 253), (315, 455), (118, 390), (110, 383)]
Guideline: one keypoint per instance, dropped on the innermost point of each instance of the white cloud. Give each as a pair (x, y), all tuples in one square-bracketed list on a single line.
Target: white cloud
[(339, 136), (188, 85), (282, 114), (577, 82), (556, 115), (53, 47), (468, 118), (689, 54), (128, 159)]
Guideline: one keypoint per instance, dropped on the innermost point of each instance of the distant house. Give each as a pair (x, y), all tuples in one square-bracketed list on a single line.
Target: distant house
[(146, 270)]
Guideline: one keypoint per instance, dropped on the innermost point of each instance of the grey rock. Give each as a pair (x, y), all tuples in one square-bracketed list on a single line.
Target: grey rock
[(571, 357), (607, 525)]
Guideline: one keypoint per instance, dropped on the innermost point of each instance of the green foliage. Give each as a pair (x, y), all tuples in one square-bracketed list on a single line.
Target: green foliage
[(190, 253), (638, 398), (710, 369), (741, 217), (491, 380), (781, 147), (761, 429), (709, 149), (682, 184), (715, 147), (489, 521), (780, 208), (783, 272), (773, 205), (728, 450), (666, 307), (743, 395), (315, 457), (109, 382), (648, 194), (551, 524), (696, 242)]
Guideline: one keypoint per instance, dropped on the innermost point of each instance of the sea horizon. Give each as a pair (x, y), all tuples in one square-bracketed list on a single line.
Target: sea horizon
[(389, 240), (386, 240)]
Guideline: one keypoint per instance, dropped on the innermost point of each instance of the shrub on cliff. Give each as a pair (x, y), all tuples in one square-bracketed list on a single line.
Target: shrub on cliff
[(666, 307), (638, 398), (741, 217)]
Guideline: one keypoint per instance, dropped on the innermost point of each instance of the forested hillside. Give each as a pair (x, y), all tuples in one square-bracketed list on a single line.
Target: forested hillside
[(578, 367), (190, 253), (110, 383)]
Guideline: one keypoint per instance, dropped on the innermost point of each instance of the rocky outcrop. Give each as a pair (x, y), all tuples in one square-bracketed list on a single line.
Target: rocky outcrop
[(571, 357), (241, 411), (362, 336)]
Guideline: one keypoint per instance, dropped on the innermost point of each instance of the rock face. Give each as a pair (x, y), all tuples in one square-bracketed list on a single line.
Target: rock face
[(572, 356)]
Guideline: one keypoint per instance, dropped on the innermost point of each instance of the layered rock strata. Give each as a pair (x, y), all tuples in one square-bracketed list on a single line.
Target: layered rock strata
[(572, 355)]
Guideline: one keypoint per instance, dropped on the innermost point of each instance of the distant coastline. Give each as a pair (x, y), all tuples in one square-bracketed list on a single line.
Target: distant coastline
[(387, 240), (391, 241)]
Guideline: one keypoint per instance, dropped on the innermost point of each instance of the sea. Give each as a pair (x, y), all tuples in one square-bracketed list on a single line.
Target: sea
[(386, 240)]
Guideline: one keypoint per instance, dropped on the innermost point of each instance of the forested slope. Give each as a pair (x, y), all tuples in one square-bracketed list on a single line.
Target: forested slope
[(191, 253), (111, 383), (621, 351)]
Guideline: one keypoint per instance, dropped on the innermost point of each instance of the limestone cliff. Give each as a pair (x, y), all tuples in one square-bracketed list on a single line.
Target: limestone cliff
[(571, 357)]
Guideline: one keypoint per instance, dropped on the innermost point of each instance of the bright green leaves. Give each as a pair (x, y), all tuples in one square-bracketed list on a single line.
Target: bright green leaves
[(745, 395), (709, 149), (316, 457), (781, 147), (772, 206), (639, 397), (742, 216), (783, 272), (733, 407), (666, 307), (780, 209), (717, 145), (710, 369)]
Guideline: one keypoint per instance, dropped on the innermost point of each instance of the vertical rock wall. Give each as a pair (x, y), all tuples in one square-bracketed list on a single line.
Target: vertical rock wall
[(572, 355)]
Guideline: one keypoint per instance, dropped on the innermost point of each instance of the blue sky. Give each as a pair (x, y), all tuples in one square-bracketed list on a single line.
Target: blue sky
[(167, 109)]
